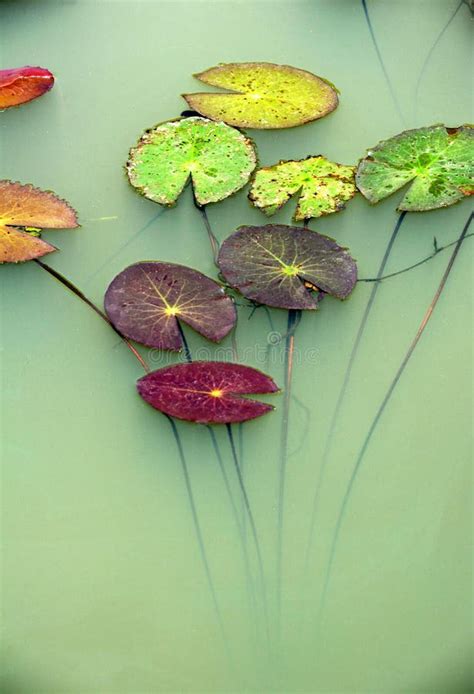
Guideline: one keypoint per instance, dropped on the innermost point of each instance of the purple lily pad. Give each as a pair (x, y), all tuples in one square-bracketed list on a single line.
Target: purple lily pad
[(208, 392), (285, 266), (146, 300)]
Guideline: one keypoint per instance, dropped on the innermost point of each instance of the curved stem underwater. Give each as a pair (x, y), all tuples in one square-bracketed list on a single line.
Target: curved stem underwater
[(380, 411), (294, 317), (253, 528), (382, 62), (77, 292), (197, 527), (240, 527), (437, 249), (212, 238), (343, 390)]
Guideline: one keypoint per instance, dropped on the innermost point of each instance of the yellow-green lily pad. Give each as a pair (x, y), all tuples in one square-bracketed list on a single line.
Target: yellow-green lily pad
[(218, 159), (438, 160), (263, 95), (323, 187)]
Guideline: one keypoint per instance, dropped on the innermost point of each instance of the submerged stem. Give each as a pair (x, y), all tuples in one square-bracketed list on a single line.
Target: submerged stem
[(343, 391), (212, 238), (240, 527), (437, 250), (253, 528), (186, 350), (75, 290), (381, 61), (380, 411), (197, 528), (294, 317)]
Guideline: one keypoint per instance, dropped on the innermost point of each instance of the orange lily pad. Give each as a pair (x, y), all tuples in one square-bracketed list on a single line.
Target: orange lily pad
[(23, 211), (22, 84)]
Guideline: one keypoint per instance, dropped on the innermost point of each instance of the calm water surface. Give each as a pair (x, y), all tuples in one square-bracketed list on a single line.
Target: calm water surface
[(103, 583)]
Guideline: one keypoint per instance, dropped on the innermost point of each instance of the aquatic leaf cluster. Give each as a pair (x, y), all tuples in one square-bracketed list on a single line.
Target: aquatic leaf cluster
[(281, 266)]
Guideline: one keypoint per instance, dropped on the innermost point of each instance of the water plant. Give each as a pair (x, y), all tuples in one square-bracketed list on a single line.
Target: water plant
[(289, 268), (24, 212), (276, 266), (322, 187), (263, 95), (22, 84), (437, 163)]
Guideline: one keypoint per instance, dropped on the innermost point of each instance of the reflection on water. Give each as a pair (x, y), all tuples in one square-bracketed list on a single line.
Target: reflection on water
[(113, 580)]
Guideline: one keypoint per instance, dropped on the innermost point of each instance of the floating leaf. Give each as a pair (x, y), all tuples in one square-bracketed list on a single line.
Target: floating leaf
[(208, 392), (283, 266), (26, 206), (22, 84), (437, 159), (323, 186), (145, 301), (263, 95), (218, 159)]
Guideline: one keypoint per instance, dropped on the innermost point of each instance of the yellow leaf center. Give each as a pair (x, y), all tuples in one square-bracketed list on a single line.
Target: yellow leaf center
[(171, 310), (216, 393), (290, 270)]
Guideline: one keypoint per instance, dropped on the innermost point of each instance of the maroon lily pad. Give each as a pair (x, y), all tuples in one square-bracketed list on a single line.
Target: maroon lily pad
[(22, 84), (208, 392), (145, 301), (285, 266)]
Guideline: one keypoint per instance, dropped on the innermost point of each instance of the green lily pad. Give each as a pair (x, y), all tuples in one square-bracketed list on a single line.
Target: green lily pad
[(323, 186), (439, 161), (263, 95), (217, 158), (285, 266)]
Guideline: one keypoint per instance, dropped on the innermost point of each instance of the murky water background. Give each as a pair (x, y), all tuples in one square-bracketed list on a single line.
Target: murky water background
[(103, 584)]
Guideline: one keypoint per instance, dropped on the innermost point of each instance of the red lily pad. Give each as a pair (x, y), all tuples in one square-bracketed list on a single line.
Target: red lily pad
[(146, 300), (285, 266), (22, 84), (28, 207), (208, 392)]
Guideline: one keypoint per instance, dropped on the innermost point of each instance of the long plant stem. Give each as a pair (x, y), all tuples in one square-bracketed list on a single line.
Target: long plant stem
[(77, 292), (238, 522), (343, 390), (253, 528), (197, 528), (294, 317), (437, 250), (215, 445), (430, 53), (381, 61), (381, 409), (212, 238)]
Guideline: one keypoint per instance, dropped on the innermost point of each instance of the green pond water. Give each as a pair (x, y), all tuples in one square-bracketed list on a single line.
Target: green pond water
[(103, 584)]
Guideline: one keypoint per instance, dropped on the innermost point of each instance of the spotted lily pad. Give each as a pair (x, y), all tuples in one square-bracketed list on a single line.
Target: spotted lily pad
[(263, 95), (146, 300), (218, 159), (208, 392), (323, 186), (285, 266), (437, 159), (30, 208), (22, 84)]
